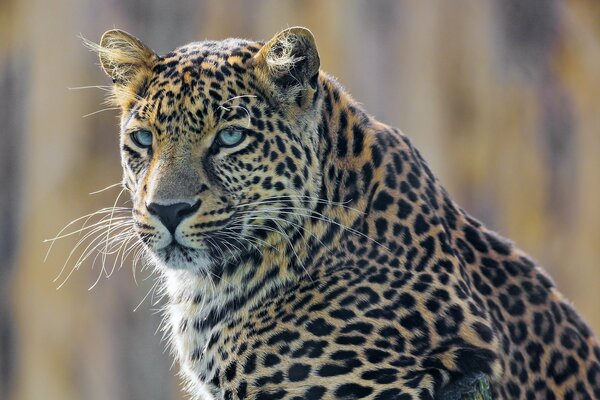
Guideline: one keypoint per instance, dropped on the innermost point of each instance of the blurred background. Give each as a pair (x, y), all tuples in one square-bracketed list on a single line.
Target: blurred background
[(502, 98)]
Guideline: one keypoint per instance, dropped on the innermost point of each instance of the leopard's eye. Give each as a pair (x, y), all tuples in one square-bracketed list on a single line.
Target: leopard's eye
[(230, 137), (142, 138)]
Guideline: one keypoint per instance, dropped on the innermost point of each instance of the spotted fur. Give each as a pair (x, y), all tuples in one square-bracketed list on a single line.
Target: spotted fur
[(323, 259)]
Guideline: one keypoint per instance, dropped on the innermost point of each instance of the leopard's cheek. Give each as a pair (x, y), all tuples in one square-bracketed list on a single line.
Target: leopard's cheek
[(277, 167)]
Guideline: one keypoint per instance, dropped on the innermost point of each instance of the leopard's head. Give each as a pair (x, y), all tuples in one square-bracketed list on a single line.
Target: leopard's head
[(216, 139)]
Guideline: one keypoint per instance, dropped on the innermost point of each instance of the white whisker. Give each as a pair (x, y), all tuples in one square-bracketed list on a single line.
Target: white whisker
[(106, 188), (99, 111), (146, 296), (323, 218), (101, 87), (84, 238)]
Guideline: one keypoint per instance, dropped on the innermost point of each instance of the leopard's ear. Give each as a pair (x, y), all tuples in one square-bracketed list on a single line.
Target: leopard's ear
[(290, 58), (123, 57)]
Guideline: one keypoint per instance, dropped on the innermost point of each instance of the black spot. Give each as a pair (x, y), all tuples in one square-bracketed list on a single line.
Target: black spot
[(535, 352), (342, 313), (342, 142), (358, 140), (343, 355), (376, 156), (395, 394), (361, 327), (352, 391), (420, 225), (230, 371), (383, 201), (413, 321), (500, 245), (298, 372), (286, 337), (381, 375), (350, 340), (310, 348), (375, 356), (484, 332), (271, 395), (404, 209), (315, 393), (271, 359), (327, 370), (474, 238), (381, 226), (367, 173), (413, 180), (250, 365), (319, 327)]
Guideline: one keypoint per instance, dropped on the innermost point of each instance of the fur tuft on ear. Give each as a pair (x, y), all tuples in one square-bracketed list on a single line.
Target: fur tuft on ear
[(122, 56), (127, 61), (290, 58)]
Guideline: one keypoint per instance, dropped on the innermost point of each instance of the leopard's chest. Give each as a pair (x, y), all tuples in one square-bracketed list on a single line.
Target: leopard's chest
[(220, 361), (194, 346)]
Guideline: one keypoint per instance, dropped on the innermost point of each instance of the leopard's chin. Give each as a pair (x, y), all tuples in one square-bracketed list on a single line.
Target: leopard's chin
[(178, 257)]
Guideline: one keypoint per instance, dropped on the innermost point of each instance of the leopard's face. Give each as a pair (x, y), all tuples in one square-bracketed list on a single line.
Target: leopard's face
[(213, 147)]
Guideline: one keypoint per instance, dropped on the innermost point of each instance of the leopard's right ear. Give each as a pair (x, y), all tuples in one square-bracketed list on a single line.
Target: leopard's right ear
[(123, 57), (290, 58)]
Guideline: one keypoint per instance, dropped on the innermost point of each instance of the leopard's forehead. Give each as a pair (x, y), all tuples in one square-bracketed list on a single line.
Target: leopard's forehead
[(195, 86), (205, 55)]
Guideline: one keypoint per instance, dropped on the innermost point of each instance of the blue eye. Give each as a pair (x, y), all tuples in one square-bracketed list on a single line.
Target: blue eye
[(142, 138), (230, 137)]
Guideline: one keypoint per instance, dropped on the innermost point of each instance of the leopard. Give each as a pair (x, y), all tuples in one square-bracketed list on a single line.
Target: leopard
[(307, 251)]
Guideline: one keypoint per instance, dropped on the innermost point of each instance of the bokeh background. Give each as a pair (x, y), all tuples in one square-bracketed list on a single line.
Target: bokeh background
[(502, 97)]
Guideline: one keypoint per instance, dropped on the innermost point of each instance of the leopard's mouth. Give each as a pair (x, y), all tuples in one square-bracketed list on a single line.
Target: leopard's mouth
[(177, 256), (207, 248)]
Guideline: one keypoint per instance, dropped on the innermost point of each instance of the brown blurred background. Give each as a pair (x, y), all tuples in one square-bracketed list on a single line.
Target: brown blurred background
[(502, 97)]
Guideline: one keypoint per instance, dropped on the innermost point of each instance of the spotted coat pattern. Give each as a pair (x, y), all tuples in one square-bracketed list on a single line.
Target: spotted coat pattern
[(323, 259)]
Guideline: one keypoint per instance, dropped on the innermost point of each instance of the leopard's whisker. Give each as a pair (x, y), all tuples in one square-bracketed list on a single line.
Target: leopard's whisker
[(291, 245), (123, 238), (107, 188), (324, 218), (133, 250), (218, 248), (101, 87), (152, 288), (111, 216), (234, 253), (239, 97), (120, 252), (114, 244), (102, 221), (113, 241), (99, 111), (296, 225), (138, 253), (239, 238), (237, 225), (276, 199), (85, 218), (286, 238), (99, 232)]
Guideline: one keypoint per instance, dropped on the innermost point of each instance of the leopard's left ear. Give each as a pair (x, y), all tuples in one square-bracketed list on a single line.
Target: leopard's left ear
[(290, 58)]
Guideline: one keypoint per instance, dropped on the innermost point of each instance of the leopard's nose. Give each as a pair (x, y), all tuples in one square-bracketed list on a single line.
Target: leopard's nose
[(172, 214)]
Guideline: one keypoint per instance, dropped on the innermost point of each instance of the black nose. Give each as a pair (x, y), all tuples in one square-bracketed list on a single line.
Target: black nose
[(172, 214)]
